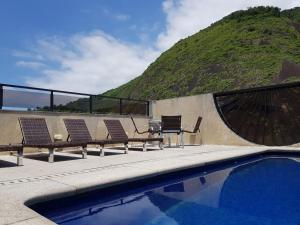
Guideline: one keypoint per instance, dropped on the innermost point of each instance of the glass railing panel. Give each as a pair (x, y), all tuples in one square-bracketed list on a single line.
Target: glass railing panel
[(134, 107), (25, 100), (71, 103), (104, 105)]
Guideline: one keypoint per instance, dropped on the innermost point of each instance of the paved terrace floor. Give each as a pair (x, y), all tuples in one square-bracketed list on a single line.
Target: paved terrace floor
[(39, 180)]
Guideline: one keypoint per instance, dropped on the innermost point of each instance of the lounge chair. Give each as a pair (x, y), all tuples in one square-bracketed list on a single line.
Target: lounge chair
[(136, 130), (78, 132), (196, 128), (36, 135), (14, 148), (172, 125), (117, 132), (153, 128)]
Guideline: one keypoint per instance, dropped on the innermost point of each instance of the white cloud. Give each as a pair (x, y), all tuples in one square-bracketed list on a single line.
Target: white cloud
[(95, 62), (91, 63), (30, 64), (26, 55), (116, 16), (122, 17), (186, 17)]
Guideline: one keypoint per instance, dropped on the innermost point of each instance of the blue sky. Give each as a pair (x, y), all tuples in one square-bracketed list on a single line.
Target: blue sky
[(94, 45), (24, 22)]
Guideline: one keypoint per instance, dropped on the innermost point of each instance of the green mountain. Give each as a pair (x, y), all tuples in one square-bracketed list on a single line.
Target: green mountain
[(255, 47)]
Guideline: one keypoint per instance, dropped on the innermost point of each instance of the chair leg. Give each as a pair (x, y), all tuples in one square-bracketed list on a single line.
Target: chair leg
[(161, 145), (126, 148), (181, 140), (169, 140), (51, 155), (84, 152), (20, 157), (101, 148), (161, 135), (144, 147)]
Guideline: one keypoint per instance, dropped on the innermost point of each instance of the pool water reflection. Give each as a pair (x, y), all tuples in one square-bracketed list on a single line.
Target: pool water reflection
[(260, 192)]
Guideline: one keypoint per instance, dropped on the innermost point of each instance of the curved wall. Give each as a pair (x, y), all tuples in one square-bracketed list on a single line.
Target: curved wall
[(213, 129), (267, 116)]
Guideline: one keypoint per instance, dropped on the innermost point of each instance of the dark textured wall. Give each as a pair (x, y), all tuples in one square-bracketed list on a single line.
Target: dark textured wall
[(268, 116)]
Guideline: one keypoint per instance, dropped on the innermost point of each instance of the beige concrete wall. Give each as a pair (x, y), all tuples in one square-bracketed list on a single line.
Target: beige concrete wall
[(213, 129), (11, 133)]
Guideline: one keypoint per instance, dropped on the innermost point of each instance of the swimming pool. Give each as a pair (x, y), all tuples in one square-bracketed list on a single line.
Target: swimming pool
[(257, 191)]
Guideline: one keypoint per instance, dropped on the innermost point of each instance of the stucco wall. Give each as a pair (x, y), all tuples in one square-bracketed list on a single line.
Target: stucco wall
[(213, 129)]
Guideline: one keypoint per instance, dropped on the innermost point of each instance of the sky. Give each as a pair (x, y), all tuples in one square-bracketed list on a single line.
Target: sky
[(92, 46)]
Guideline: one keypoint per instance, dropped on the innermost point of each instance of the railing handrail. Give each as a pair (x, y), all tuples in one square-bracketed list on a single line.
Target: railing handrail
[(68, 92), (256, 89), (90, 97)]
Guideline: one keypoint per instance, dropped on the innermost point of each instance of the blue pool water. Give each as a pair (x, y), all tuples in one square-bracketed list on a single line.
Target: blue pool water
[(260, 191)]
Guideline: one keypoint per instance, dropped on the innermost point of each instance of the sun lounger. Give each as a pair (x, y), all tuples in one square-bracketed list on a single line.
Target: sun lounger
[(14, 148), (36, 135), (117, 132), (78, 132)]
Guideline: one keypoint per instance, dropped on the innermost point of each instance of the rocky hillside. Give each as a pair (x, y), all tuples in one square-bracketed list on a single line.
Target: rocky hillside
[(258, 46)]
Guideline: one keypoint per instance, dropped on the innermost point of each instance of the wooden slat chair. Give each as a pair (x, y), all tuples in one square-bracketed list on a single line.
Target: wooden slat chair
[(14, 148), (117, 132), (196, 128), (78, 132), (136, 130), (36, 135), (152, 130), (171, 125)]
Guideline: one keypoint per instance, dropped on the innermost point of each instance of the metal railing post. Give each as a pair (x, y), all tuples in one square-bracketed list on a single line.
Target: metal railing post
[(1, 96), (148, 108), (51, 101), (91, 104), (121, 106)]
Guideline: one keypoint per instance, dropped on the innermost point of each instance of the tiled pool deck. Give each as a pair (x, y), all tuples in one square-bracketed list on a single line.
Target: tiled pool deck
[(38, 180)]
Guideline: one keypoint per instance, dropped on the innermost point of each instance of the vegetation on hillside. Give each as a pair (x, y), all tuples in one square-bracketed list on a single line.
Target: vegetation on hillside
[(255, 47)]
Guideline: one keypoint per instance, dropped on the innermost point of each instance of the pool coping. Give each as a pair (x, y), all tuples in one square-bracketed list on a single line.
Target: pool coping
[(58, 189)]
